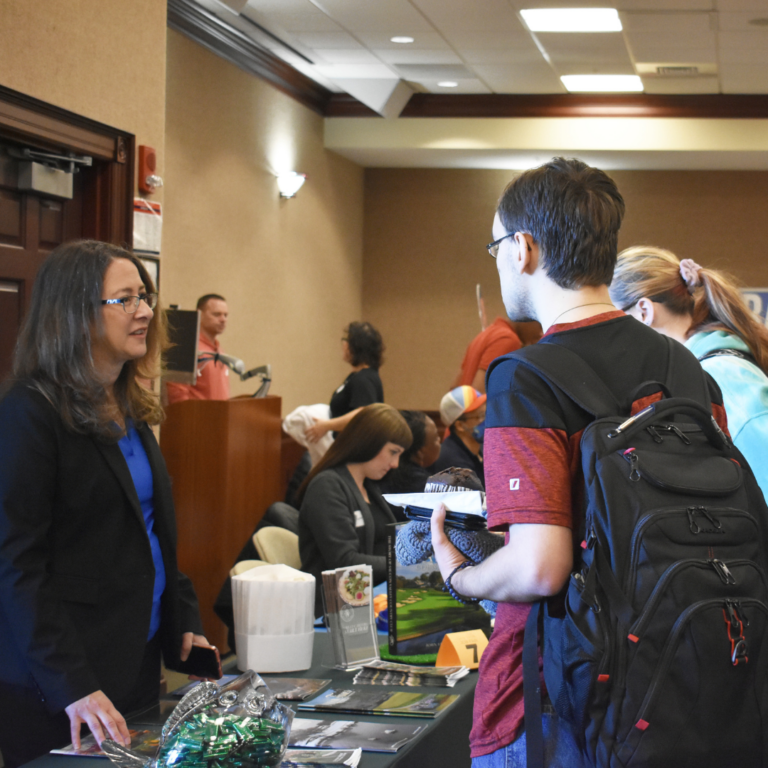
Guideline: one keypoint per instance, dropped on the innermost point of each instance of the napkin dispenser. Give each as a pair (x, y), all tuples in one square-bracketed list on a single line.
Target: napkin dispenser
[(274, 618)]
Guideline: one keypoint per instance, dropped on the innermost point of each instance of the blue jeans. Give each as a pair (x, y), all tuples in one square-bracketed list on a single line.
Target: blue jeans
[(560, 748)]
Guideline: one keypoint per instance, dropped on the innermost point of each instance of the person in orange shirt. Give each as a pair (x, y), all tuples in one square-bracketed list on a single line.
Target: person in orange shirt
[(213, 378), (499, 338)]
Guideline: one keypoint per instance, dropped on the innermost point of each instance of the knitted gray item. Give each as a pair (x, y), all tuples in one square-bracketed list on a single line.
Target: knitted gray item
[(414, 545)]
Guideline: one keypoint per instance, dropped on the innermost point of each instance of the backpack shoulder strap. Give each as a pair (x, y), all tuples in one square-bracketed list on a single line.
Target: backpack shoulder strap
[(685, 376), (571, 374)]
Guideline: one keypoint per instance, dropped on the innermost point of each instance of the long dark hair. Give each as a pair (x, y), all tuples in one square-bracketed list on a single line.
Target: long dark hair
[(361, 440), (54, 349)]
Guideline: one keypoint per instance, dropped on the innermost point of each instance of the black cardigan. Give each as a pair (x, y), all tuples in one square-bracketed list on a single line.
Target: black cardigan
[(76, 570), (328, 537)]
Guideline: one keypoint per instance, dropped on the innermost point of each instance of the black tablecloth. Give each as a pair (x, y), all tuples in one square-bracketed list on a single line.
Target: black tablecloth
[(444, 743)]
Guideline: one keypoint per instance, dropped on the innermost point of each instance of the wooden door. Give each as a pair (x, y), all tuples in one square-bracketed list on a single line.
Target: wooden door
[(31, 224)]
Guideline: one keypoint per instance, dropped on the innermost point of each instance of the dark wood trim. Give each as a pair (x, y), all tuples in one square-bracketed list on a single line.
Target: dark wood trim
[(108, 191), (237, 48), (344, 105), (23, 116), (578, 105)]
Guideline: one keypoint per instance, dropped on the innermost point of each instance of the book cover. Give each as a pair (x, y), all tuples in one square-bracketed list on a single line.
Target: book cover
[(352, 734), (420, 612), (298, 758), (371, 701), (294, 688)]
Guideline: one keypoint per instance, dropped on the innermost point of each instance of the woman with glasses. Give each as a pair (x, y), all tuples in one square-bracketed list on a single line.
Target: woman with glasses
[(90, 595), (343, 518), (363, 349), (703, 309)]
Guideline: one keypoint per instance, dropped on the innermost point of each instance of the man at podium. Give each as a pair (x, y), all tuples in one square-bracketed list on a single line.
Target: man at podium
[(213, 378)]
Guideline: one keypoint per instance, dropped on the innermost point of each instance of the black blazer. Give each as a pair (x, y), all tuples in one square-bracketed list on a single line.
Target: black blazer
[(76, 570), (328, 535)]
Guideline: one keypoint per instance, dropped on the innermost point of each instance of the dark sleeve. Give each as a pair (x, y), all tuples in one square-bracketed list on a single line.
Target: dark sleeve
[(364, 388), (189, 611), (328, 514), (37, 625)]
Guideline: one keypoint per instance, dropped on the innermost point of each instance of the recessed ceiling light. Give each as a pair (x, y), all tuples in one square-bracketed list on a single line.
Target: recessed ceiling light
[(401, 39), (602, 83), (447, 84), (572, 19)]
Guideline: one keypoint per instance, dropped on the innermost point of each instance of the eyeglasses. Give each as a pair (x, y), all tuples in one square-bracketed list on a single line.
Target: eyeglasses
[(493, 248), (131, 303)]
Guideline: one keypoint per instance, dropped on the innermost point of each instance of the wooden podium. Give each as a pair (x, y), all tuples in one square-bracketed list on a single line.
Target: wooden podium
[(223, 457)]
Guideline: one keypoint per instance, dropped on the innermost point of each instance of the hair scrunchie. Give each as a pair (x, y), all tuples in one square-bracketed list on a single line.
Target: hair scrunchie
[(690, 272)]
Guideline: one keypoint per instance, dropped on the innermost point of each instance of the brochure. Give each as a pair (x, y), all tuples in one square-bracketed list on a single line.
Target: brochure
[(382, 672), (373, 702), (420, 612), (297, 758), (348, 600), (351, 734), (294, 688), (144, 741)]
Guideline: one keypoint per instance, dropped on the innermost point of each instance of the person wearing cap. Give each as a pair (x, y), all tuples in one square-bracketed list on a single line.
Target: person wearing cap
[(462, 411)]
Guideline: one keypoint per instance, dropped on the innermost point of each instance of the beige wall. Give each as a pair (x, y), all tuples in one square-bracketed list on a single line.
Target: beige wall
[(425, 232), (103, 59), (291, 270)]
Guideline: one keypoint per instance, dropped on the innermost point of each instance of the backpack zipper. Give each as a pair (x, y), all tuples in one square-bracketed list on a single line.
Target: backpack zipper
[(671, 646), (720, 568)]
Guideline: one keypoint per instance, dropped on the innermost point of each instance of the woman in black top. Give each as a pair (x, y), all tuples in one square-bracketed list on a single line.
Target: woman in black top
[(411, 475), (343, 518), (363, 349)]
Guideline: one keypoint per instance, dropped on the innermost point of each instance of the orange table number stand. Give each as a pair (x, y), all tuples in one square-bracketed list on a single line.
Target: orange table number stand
[(462, 649)]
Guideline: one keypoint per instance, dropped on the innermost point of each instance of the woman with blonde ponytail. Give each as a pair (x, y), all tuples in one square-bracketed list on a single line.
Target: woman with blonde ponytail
[(703, 308)]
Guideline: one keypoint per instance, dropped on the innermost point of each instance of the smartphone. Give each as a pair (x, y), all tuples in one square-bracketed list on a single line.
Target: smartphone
[(202, 662)]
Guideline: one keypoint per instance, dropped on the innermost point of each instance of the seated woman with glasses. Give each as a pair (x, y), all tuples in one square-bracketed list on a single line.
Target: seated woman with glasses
[(704, 309), (90, 594), (343, 518), (363, 349), (463, 412)]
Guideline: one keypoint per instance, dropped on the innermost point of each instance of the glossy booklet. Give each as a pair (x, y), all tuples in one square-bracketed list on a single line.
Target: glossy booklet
[(377, 702)]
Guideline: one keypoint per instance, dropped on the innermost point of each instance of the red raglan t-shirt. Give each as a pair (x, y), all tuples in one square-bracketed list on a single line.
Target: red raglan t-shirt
[(533, 475)]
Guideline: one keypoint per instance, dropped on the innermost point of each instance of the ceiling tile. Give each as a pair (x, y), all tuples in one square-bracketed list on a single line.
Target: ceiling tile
[(676, 55), (733, 42), (470, 85), (476, 15), (670, 32), (423, 72), (356, 71), (750, 6), (510, 55), (531, 78), (329, 40), (376, 15), (681, 85), (606, 67), (740, 22), (622, 5), (292, 15), (432, 41), (406, 56), (492, 38), (744, 78), (590, 48), (344, 56)]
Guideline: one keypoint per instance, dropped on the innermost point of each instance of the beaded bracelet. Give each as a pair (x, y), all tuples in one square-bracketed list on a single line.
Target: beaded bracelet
[(452, 592)]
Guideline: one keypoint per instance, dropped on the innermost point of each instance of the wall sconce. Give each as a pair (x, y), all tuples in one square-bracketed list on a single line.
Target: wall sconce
[(290, 183)]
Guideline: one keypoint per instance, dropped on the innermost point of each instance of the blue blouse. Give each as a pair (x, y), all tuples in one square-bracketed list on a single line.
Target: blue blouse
[(141, 473)]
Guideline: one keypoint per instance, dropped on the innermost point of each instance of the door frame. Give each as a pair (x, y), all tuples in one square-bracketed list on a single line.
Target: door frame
[(108, 194)]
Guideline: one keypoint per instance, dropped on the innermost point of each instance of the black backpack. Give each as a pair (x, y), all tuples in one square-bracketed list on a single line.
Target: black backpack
[(656, 658)]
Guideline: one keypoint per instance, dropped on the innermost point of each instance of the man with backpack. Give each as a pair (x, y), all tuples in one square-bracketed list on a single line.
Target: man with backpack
[(555, 243)]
